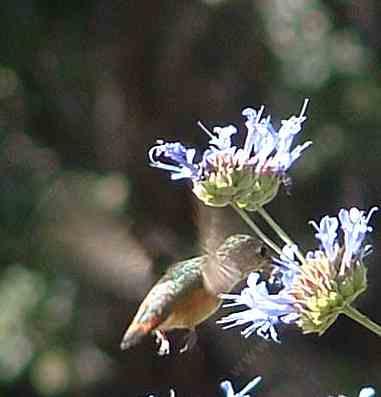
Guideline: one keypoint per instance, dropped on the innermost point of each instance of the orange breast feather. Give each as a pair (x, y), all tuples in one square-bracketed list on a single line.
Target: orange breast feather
[(192, 309)]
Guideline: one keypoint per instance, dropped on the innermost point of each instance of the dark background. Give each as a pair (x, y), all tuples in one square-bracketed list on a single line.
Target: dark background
[(86, 226)]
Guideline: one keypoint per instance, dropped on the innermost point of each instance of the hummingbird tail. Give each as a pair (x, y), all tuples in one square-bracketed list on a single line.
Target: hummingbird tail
[(134, 334)]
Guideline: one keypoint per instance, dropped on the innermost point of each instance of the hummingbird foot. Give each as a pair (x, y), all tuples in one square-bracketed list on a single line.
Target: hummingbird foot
[(163, 343), (190, 340)]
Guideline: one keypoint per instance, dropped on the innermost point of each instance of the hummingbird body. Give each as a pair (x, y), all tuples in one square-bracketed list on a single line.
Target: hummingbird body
[(187, 294)]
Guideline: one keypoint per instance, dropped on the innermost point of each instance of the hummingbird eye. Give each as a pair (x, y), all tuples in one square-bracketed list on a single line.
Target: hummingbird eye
[(262, 251)]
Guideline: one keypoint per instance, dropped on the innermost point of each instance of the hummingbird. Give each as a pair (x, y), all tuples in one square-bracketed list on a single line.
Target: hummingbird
[(188, 293)]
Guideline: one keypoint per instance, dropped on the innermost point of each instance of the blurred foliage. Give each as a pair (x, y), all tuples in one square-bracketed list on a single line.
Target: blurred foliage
[(86, 226)]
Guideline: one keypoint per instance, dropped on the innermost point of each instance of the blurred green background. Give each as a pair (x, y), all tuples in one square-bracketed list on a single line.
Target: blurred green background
[(86, 226)]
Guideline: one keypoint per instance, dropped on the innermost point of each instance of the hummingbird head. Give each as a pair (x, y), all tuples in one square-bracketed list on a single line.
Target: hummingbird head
[(239, 255), (246, 253)]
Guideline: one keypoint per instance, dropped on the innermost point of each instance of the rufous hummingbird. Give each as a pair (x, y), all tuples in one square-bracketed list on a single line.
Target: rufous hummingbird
[(188, 293)]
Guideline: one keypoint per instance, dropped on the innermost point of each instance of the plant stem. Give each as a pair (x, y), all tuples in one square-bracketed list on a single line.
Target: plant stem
[(242, 213), (355, 315), (279, 231)]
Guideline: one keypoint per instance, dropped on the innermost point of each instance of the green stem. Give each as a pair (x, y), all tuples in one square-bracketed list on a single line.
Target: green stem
[(280, 232), (355, 315), (242, 213)]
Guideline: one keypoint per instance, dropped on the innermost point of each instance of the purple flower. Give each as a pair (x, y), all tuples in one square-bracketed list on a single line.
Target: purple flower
[(227, 387), (182, 158), (367, 392), (327, 234), (354, 226), (263, 138), (265, 310), (222, 139), (364, 392), (312, 294), (223, 174)]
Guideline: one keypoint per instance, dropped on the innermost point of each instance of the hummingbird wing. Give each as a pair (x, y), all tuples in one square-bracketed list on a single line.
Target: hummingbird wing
[(154, 309), (220, 275), (157, 306), (239, 255), (213, 227)]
